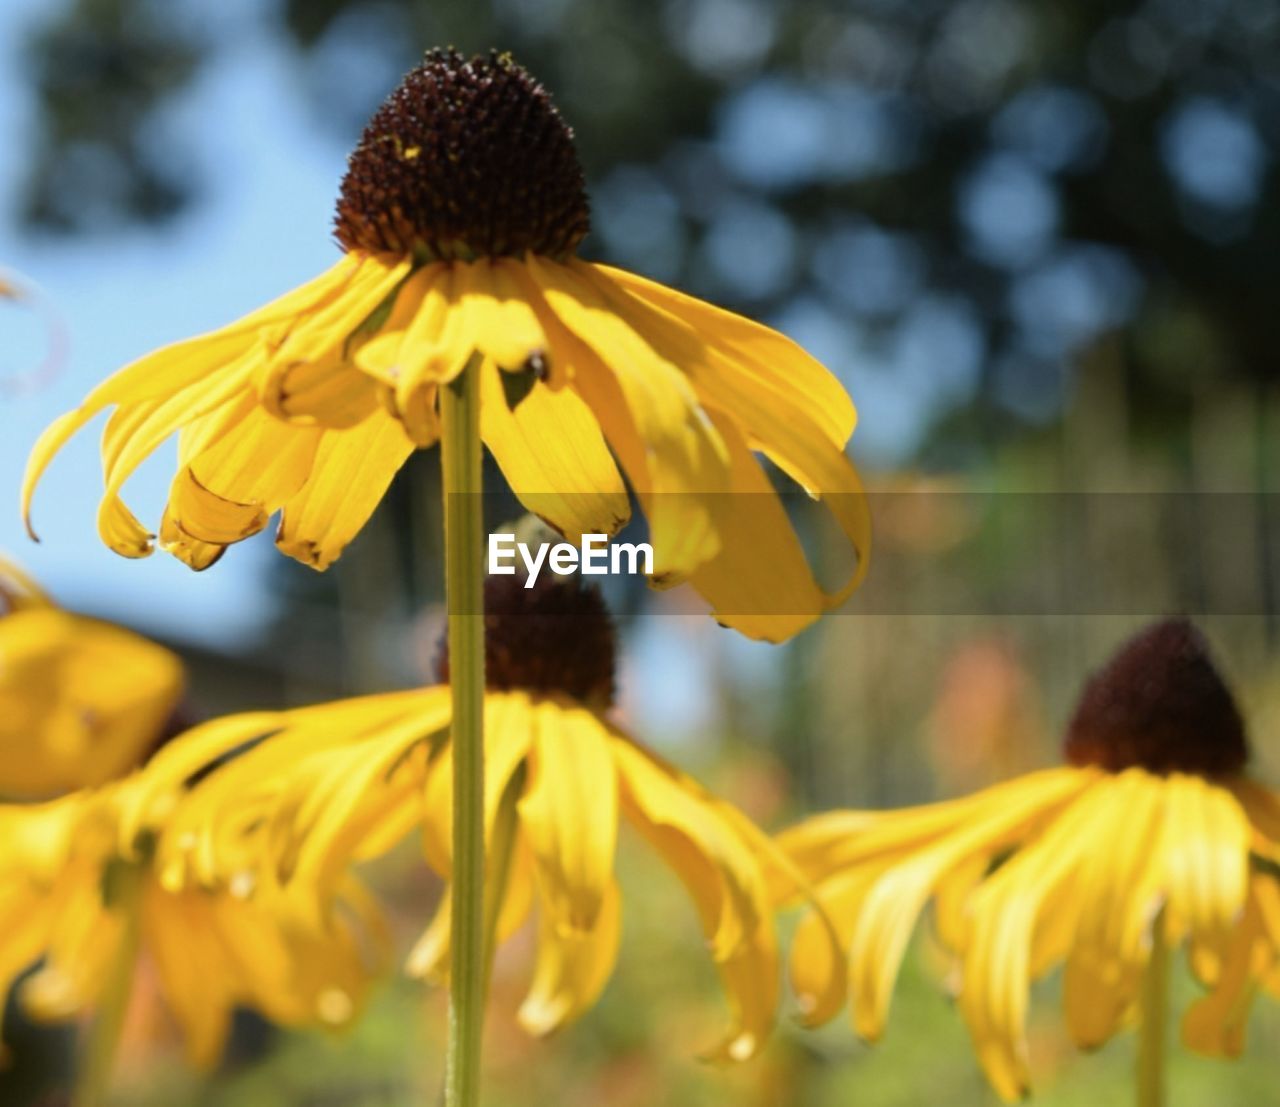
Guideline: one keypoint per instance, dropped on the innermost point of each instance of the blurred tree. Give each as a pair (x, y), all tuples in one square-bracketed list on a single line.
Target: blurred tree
[(103, 71), (951, 200)]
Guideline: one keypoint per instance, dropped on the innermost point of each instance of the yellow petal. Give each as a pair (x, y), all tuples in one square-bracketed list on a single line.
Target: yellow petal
[(768, 416), (350, 474), (1120, 892), (573, 966), (833, 841), (1206, 855), (889, 913), (723, 875), (672, 453), (193, 973), (85, 943), (331, 392), (508, 733), (750, 979), (499, 319), (27, 915), (433, 349), (134, 432), (758, 582), (717, 867), (1005, 913), (554, 457), (159, 383), (229, 491), (756, 357), (429, 958), (815, 961), (1216, 1024), (821, 994), (81, 702), (569, 812), (177, 762), (326, 331)]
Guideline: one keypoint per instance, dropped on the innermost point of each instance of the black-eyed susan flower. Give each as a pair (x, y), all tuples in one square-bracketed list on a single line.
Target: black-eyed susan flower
[(327, 785), (81, 702), (459, 217), (1151, 837), (85, 903)]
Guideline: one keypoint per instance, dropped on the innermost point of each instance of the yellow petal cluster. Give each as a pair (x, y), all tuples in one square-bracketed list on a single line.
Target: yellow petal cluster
[(308, 407), (1069, 867), (78, 899), (344, 782)]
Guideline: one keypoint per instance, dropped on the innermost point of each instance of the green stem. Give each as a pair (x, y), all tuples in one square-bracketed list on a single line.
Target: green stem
[(1154, 1018), (93, 1081), (464, 588)]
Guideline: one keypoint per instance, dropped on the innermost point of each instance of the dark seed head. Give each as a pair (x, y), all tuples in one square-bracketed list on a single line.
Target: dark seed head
[(466, 159), (556, 637), (1159, 704)]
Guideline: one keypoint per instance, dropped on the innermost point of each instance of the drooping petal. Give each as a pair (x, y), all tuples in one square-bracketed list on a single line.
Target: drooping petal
[(553, 455), (671, 451), (1005, 914), (229, 491), (1206, 856), (759, 581), (723, 876), (1215, 1024), (350, 474), (85, 942), (831, 842), (159, 381), (508, 734), (430, 351), (249, 788), (429, 958), (573, 965), (890, 910), (820, 992), (758, 358), (193, 974), (1120, 892), (769, 418), (814, 961), (569, 812), (134, 432)]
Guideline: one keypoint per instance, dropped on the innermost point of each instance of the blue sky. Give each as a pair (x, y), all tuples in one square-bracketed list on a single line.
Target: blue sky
[(262, 229)]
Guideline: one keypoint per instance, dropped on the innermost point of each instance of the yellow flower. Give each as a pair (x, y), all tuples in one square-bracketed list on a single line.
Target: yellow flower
[(81, 702), (345, 781), (1152, 825), (83, 901), (459, 216)]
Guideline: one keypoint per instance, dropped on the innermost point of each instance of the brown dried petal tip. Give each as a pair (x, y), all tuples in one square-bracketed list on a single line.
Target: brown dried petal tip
[(556, 637), (1159, 704), (466, 159)]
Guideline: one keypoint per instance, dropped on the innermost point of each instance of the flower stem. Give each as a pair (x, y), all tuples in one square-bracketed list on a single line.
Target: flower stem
[(1153, 1017), (93, 1081), (464, 588)]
